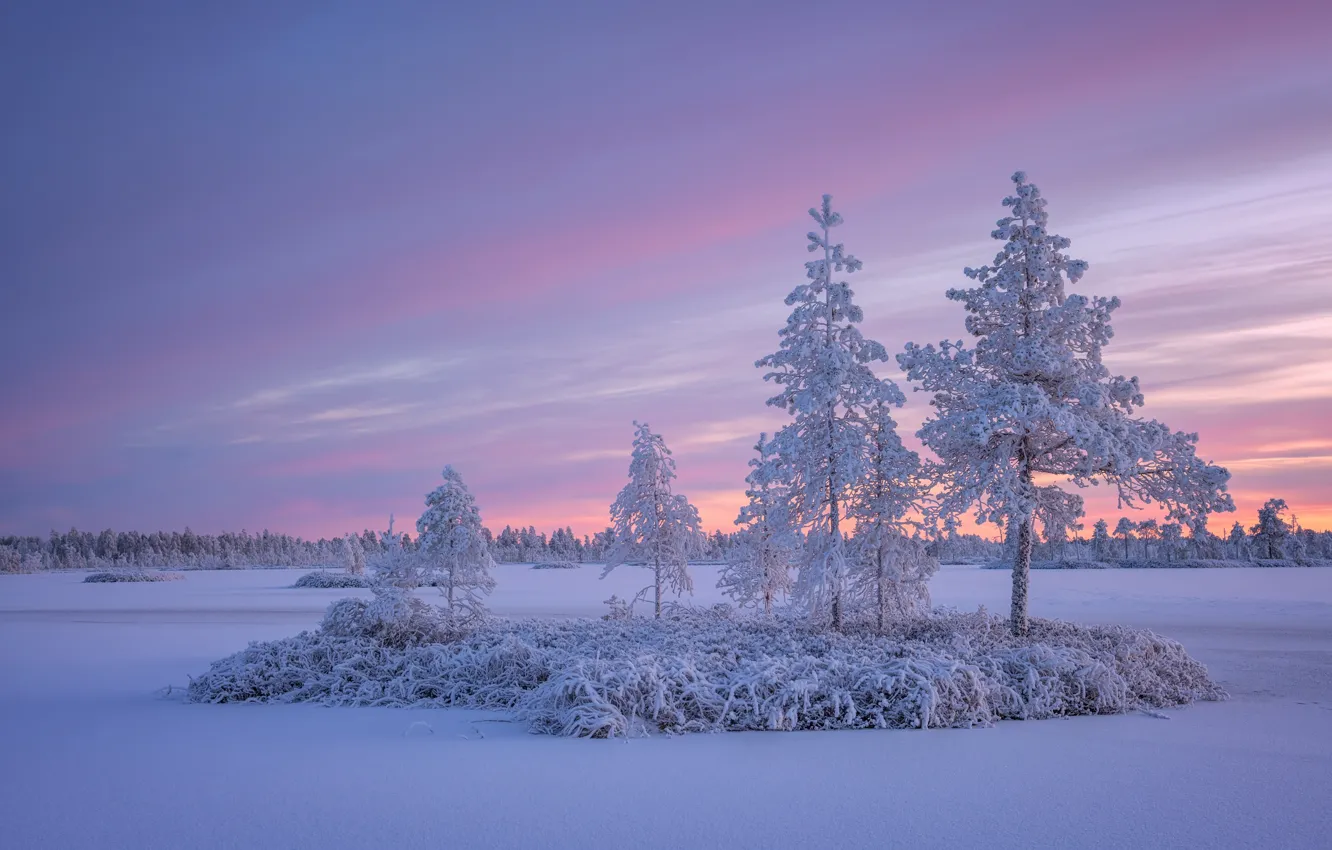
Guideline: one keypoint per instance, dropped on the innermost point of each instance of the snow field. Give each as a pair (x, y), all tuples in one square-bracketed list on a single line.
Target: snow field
[(92, 758)]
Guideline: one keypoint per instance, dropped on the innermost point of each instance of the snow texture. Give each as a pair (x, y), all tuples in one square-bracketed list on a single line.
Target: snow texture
[(708, 670)]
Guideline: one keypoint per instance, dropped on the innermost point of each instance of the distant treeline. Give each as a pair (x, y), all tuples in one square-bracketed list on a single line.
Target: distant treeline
[(1276, 535), (77, 550)]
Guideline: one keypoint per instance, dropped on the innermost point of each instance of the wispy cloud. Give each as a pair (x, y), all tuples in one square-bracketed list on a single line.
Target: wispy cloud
[(408, 371)]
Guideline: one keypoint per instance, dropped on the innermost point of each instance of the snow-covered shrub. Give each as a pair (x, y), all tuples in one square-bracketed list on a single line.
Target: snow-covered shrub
[(111, 576), (556, 565), (618, 609), (708, 670), (331, 579), (394, 618)]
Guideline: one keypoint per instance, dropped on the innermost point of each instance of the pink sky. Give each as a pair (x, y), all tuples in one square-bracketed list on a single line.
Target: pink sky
[(275, 268)]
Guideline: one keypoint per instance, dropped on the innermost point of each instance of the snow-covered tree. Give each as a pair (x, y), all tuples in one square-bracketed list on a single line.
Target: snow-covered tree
[(1124, 531), (1172, 536), (1101, 543), (1238, 540), (1057, 513), (827, 386), (1030, 401), (1272, 530), (757, 570), (652, 525), (453, 548), (1148, 532), (1201, 540), (889, 570), (353, 554)]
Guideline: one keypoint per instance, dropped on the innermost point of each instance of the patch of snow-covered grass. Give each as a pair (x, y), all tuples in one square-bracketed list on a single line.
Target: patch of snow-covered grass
[(1180, 564), (331, 579), (556, 565), (110, 576), (709, 670)]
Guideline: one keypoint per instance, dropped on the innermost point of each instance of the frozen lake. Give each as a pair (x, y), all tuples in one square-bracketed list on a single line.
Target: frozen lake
[(91, 757)]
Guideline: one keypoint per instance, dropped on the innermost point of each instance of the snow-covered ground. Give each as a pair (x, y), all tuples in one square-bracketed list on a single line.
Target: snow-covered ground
[(90, 757)]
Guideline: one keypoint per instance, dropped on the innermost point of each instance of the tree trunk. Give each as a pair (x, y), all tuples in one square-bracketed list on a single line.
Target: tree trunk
[(835, 525), (1021, 576), (879, 586), (656, 572)]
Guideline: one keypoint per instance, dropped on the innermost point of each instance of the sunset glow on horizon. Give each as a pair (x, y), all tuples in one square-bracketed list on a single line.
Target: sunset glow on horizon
[(275, 266)]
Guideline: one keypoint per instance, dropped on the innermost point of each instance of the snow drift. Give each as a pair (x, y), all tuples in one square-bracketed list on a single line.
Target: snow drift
[(697, 671)]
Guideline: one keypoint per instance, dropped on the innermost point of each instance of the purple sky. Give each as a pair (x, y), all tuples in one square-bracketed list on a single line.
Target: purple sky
[(275, 264)]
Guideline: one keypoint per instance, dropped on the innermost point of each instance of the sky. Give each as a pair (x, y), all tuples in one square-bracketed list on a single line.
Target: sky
[(274, 265)]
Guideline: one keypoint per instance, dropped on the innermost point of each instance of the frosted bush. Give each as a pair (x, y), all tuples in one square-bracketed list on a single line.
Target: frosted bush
[(556, 565), (110, 576), (711, 670), (395, 618), (331, 579), (618, 609)]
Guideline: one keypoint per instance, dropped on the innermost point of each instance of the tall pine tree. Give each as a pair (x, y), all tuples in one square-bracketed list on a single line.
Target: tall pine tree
[(827, 386), (1030, 400)]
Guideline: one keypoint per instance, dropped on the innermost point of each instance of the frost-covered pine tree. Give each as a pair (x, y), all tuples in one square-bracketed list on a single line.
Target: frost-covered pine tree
[(1149, 532), (1124, 530), (393, 565), (652, 524), (1030, 400), (452, 546), (353, 554), (1203, 542), (1172, 537), (889, 569), (1272, 530), (1058, 513), (757, 570), (1239, 541), (1101, 540), (827, 386)]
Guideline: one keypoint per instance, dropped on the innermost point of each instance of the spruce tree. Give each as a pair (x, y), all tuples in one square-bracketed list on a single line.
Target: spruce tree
[(826, 385)]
